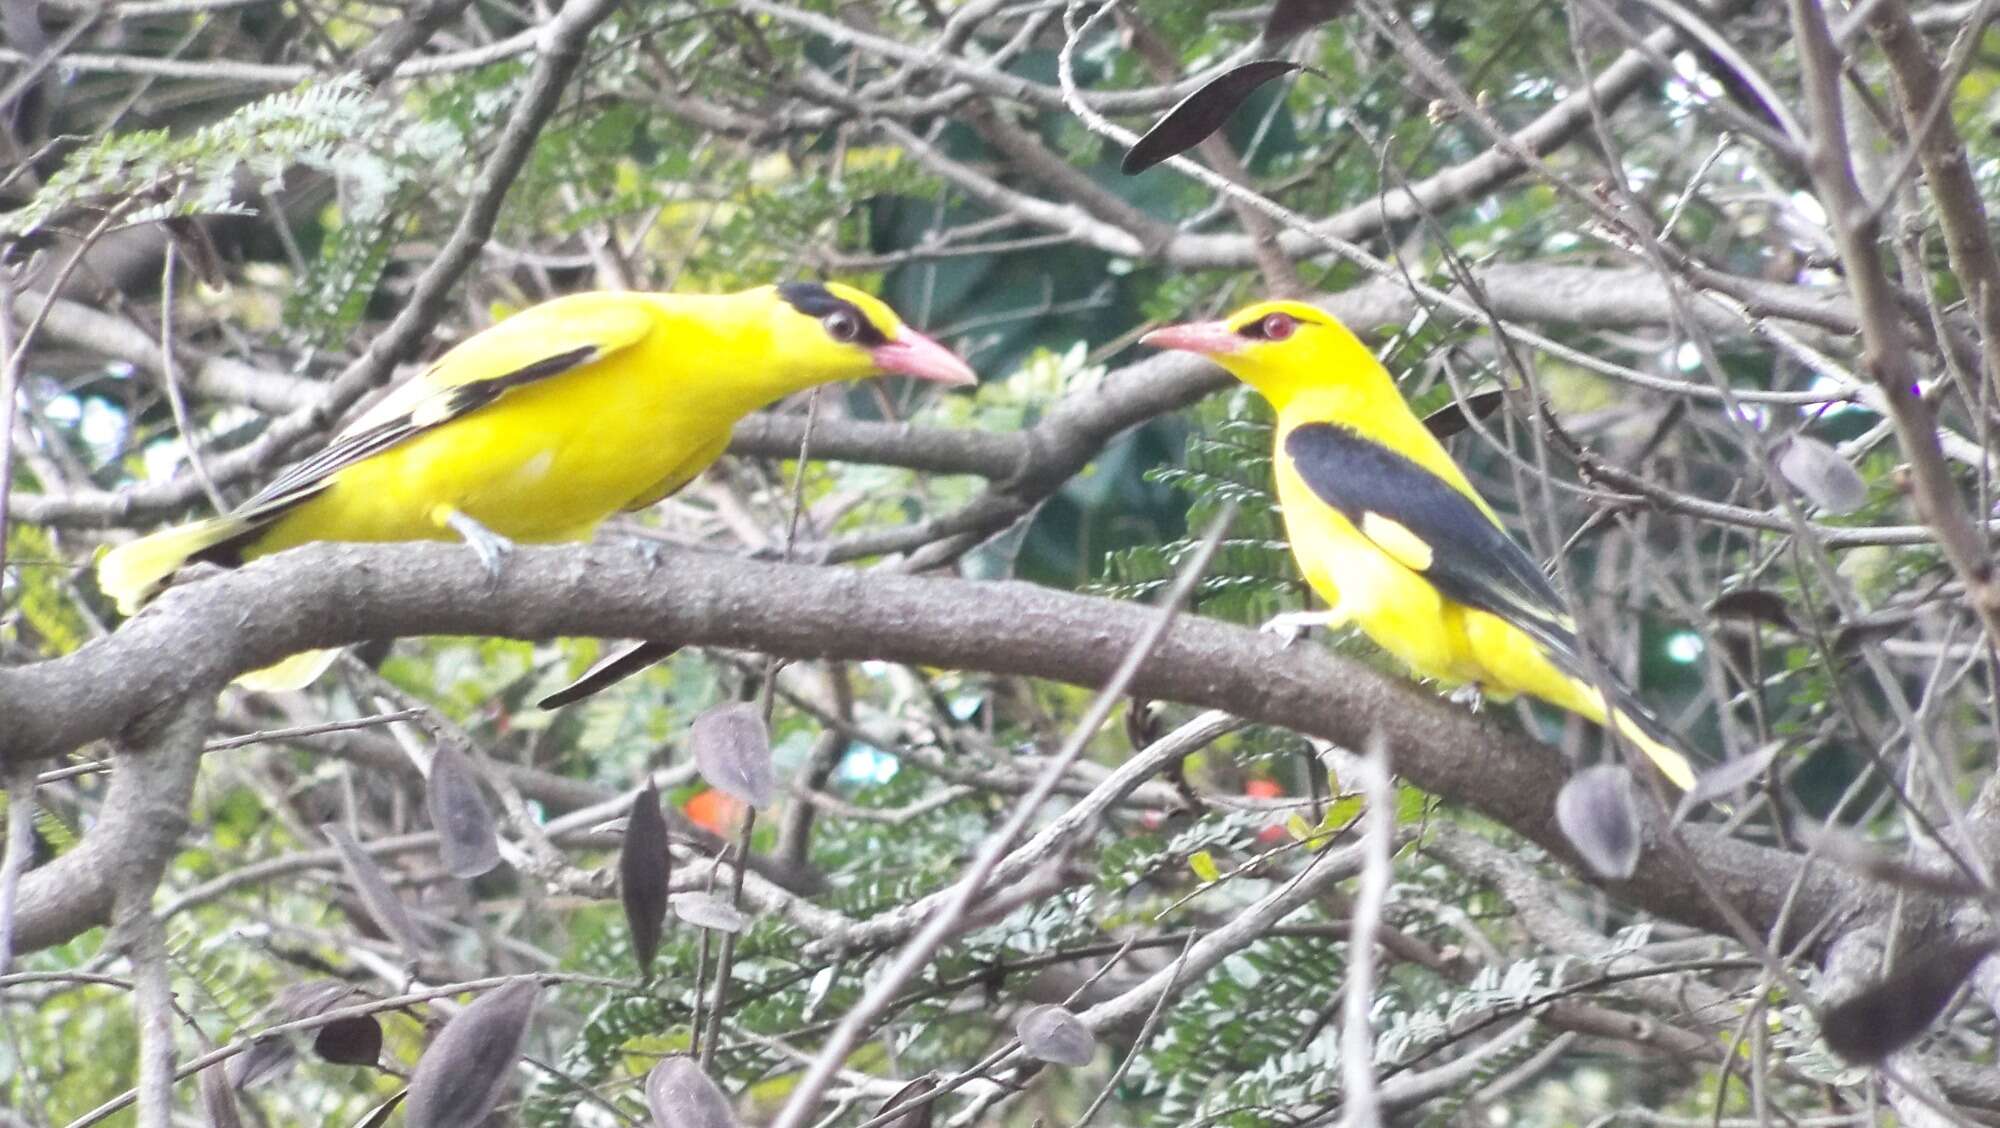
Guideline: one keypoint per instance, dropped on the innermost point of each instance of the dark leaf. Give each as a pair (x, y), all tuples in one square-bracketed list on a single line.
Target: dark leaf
[(1891, 1014), (379, 1115), (644, 870), (918, 1117), (608, 671), (1050, 1033), (732, 749), (1726, 779), (1852, 637), (388, 910), (1201, 113), (271, 1056), (1825, 478), (218, 1100), (1597, 814), (680, 1095), (350, 1041), (705, 911), (467, 841), (1290, 18), (1754, 603), (461, 1076), (1450, 419)]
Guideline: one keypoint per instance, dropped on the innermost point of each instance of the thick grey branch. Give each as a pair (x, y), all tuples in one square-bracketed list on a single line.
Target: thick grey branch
[(197, 637)]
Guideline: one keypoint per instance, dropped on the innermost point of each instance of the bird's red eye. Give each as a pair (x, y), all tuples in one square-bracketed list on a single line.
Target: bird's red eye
[(1277, 326), (842, 326)]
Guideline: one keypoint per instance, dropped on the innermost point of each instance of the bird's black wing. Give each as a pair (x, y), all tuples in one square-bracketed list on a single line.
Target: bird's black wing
[(1429, 526)]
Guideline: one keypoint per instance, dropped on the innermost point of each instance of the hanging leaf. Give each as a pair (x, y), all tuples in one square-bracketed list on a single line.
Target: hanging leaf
[(1817, 471), (1201, 113), (1728, 778), (607, 671), (910, 1094), (1453, 417), (384, 907), (732, 749), (645, 869), (1849, 639), (1754, 604), (379, 1115), (1599, 817), (348, 1041), (1050, 1033), (461, 1076), (1891, 1014), (468, 844), (713, 913), (1292, 18), (680, 1095)]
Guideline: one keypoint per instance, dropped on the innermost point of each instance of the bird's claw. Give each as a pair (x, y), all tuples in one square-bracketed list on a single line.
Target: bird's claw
[(489, 546), (1292, 625), (1472, 695), (650, 551)]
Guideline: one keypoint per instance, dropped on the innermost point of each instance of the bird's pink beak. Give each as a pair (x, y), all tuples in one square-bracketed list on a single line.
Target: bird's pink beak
[(913, 354), (1209, 338)]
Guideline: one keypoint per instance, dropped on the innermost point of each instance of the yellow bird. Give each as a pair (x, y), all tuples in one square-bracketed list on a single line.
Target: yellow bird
[(1391, 534), (543, 425)]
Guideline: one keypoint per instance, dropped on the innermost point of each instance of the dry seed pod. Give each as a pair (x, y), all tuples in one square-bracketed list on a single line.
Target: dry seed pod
[(1727, 778), (713, 913), (680, 1095), (468, 844), (1826, 479), (218, 1100), (732, 750), (388, 910), (1597, 814), (1050, 1033), (918, 1117), (645, 867), (461, 1076)]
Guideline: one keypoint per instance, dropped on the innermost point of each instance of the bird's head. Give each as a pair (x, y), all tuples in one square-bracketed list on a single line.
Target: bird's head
[(1281, 348), (827, 331)]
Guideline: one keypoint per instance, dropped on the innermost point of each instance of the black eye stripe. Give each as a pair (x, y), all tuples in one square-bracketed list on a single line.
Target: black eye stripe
[(817, 302)]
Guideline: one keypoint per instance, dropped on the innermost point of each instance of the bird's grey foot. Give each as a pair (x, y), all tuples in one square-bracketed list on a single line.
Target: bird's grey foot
[(1472, 695), (489, 546), (649, 551), (1290, 625)]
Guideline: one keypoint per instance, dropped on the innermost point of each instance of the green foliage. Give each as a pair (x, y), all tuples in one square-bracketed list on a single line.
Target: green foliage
[(1252, 575), (148, 175)]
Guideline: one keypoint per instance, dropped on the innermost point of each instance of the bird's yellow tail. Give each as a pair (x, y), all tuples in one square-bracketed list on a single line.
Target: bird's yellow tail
[(1673, 765), (132, 572)]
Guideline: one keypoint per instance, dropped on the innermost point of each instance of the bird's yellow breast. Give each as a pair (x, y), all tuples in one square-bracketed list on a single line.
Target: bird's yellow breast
[(1394, 606)]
